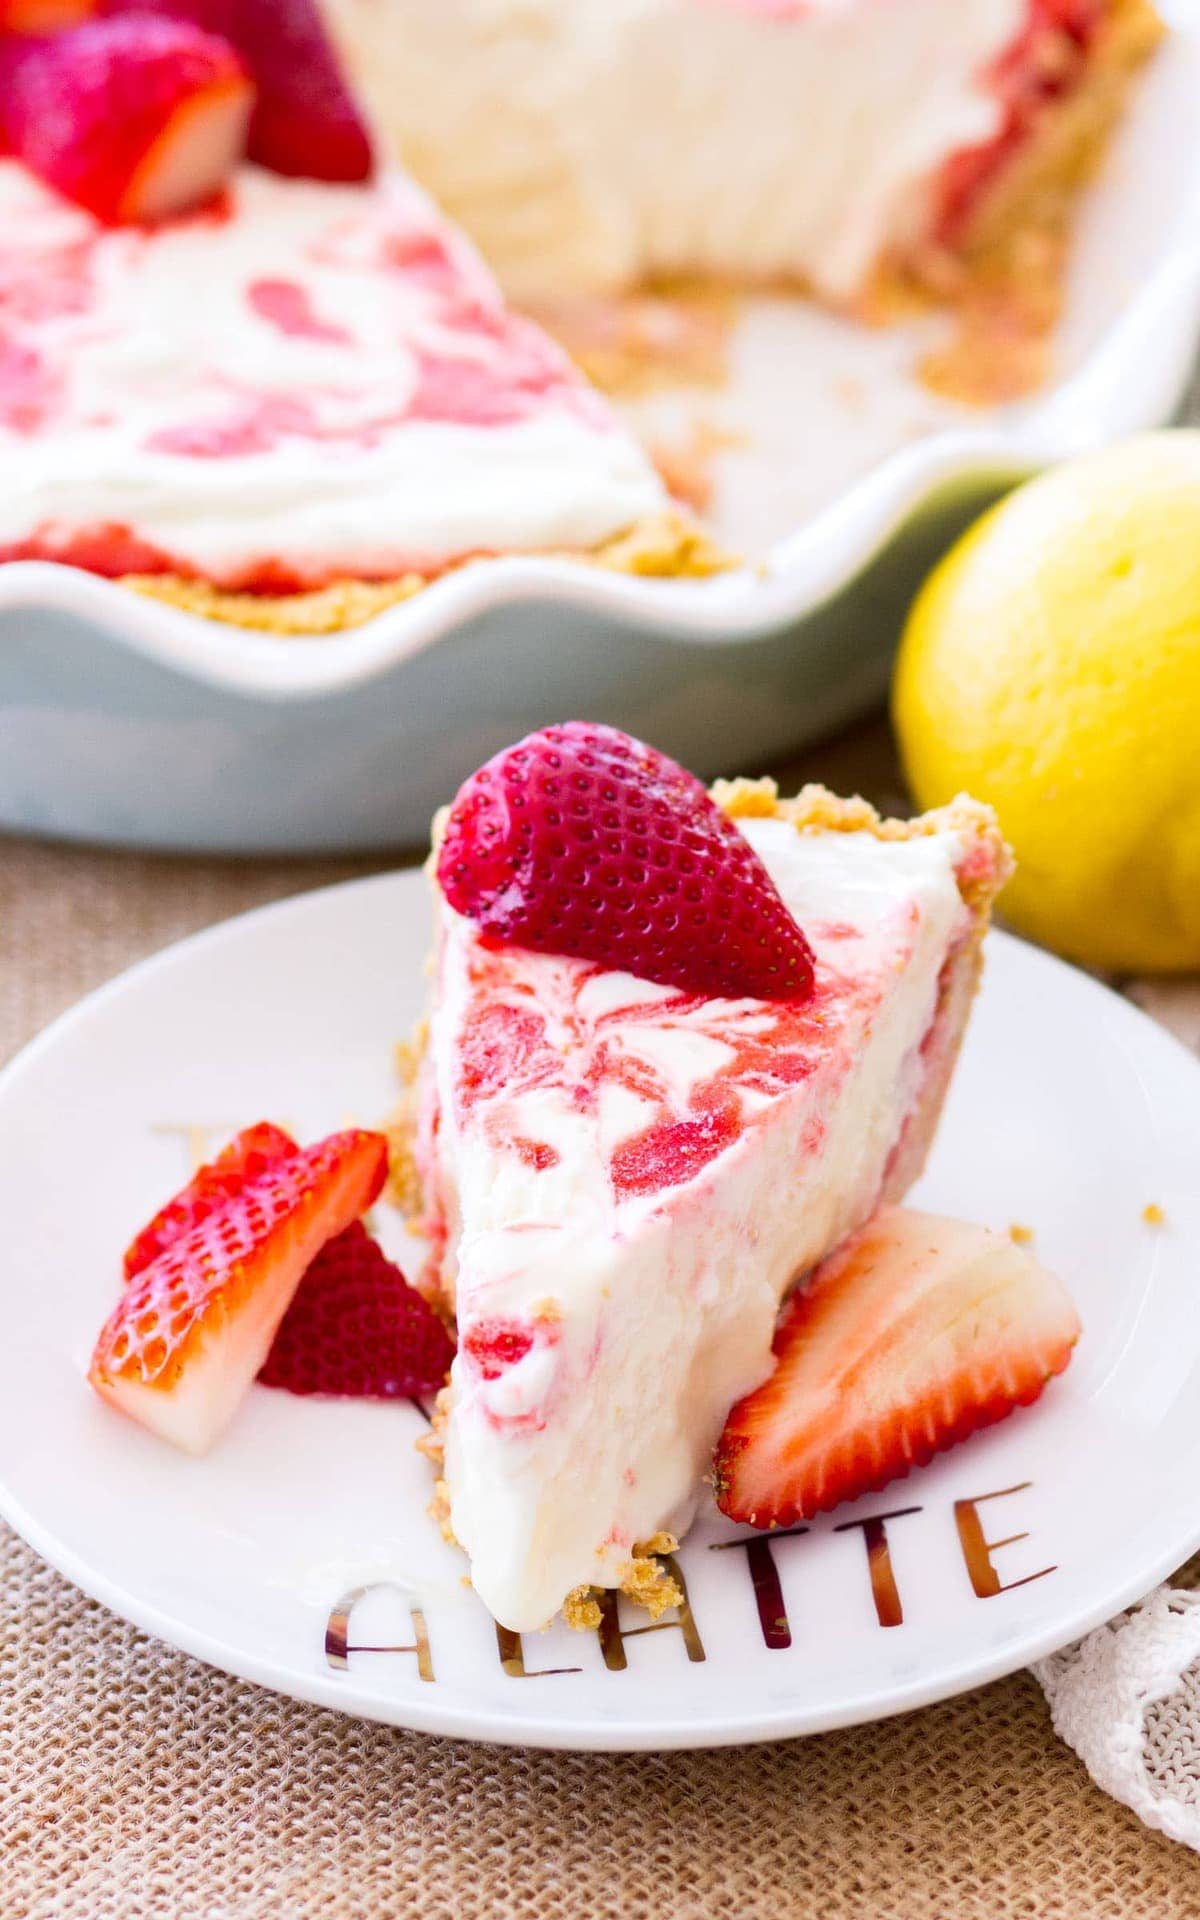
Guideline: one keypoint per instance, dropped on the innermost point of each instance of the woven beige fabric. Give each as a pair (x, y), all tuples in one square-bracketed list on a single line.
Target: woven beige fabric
[(136, 1784)]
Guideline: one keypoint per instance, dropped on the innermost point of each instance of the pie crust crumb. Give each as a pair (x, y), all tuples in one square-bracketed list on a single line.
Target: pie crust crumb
[(581, 1610), (643, 1579), (647, 1582)]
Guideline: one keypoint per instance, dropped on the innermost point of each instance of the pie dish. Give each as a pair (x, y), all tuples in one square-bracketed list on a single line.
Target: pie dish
[(620, 1181)]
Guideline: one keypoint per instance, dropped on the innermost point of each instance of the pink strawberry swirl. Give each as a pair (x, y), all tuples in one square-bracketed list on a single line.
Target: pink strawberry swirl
[(265, 364)]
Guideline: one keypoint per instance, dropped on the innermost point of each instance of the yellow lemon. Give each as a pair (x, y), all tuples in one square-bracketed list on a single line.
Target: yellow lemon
[(1051, 665)]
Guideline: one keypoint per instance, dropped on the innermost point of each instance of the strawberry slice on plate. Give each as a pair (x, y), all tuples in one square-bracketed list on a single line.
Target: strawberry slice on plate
[(193, 1328), (581, 840), (915, 1333), (135, 118), (357, 1330), (250, 1153)]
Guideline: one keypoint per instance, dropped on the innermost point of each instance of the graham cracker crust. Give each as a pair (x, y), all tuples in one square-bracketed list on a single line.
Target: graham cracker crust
[(669, 546)]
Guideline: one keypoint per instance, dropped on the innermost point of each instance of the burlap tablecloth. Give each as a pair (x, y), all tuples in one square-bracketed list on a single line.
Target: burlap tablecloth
[(136, 1784)]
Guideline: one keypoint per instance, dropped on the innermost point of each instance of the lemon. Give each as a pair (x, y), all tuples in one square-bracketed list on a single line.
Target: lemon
[(1051, 665)]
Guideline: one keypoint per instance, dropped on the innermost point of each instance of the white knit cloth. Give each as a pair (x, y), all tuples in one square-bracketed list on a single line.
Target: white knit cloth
[(1127, 1699)]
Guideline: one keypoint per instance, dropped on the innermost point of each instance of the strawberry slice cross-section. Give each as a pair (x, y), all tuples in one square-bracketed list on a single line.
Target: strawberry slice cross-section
[(194, 1326), (249, 1154), (911, 1336)]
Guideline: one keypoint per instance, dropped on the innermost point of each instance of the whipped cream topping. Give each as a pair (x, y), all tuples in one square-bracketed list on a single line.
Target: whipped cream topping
[(591, 147), (305, 382), (631, 1176)]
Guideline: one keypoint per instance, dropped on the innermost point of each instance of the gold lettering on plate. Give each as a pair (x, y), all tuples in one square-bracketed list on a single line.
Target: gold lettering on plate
[(613, 1636), (977, 1550), (512, 1658), (773, 1620), (337, 1631), (764, 1578), (884, 1590)]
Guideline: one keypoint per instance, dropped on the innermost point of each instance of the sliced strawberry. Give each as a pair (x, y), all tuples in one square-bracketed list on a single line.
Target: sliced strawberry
[(913, 1334), (583, 841), (357, 1330), (193, 1328), (134, 118), (305, 120), (249, 1154)]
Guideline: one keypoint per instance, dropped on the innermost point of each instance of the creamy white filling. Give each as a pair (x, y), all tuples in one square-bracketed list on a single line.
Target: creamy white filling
[(590, 146), (168, 332), (655, 1312)]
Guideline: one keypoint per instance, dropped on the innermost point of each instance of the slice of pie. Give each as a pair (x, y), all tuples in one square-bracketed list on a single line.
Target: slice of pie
[(622, 1178), (597, 146), (295, 406)]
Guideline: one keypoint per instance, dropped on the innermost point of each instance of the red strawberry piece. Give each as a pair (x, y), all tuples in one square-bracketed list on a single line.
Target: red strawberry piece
[(582, 841), (249, 1154), (133, 118), (193, 1328), (305, 120), (357, 1330), (44, 16), (911, 1336)]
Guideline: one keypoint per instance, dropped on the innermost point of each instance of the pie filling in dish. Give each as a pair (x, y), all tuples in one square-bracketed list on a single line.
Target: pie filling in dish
[(621, 1180), (306, 389), (301, 401), (804, 142)]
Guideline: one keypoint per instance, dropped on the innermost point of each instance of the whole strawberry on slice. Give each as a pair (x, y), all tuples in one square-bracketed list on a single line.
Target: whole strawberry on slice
[(581, 840), (134, 118), (305, 119), (357, 1330), (193, 1328), (249, 1154), (915, 1333)]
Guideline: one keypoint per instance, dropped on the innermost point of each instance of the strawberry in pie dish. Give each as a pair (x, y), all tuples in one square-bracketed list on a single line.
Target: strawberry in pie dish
[(625, 1168)]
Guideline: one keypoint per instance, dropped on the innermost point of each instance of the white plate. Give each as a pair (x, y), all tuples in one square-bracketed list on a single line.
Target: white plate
[(1071, 1112), (124, 720)]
